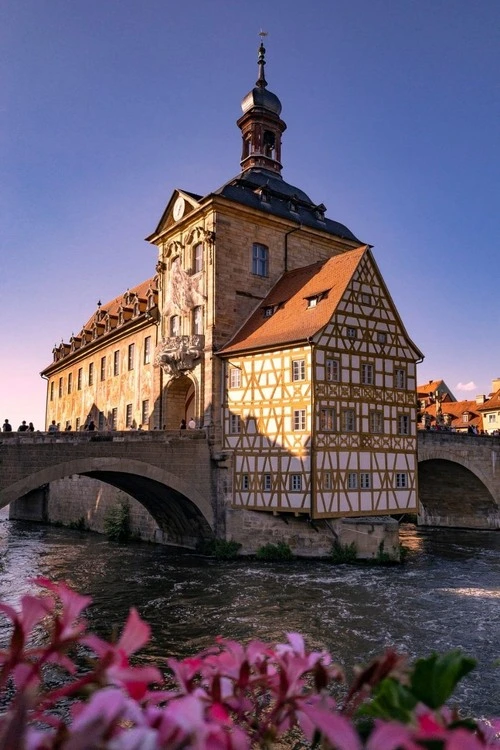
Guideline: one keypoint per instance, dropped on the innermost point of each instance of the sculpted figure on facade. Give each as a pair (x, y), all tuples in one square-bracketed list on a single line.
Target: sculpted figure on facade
[(179, 354), (182, 292)]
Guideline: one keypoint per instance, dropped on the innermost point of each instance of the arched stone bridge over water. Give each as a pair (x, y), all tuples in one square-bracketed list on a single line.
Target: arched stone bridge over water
[(459, 480), (170, 475)]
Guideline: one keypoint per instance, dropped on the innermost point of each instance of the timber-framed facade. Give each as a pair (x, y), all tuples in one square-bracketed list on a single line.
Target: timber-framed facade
[(272, 329)]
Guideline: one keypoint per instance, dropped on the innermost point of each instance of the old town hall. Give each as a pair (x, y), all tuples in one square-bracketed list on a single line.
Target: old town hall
[(269, 325)]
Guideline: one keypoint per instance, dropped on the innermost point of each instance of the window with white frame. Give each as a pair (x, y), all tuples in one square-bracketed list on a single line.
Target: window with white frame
[(348, 420), (299, 419), (147, 350), (234, 377), (260, 260), (130, 356), (332, 370), (327, 420), (295, 482), (128, 415), (367, 377), (116, 362), (365, 480), (197, 320), (327, 481), (198, 257), (400, 377), (352, 480), (234, 424), (266, 482), (114, 418), (175, 325), (145, 412), (492, 418), (403, 424), (245, 482), (401, 480), (376, 422), (298, 369)]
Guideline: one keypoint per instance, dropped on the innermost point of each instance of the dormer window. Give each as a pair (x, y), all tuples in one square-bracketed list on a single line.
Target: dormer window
[(313, 300), (465, 416), (319, 212), (269, 311), (293, 207)]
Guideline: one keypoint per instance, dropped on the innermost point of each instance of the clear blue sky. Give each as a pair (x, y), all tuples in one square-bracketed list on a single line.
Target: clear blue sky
[(393, 111)]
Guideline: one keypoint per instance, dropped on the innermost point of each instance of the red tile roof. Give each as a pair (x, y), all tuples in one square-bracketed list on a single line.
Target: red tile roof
[(292, 319)]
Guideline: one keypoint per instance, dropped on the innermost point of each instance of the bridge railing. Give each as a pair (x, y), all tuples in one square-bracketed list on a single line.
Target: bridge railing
[(98, 436)]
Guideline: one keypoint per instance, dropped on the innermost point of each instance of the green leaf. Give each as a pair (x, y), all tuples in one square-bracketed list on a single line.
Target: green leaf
[(434, 679), (391, 701)]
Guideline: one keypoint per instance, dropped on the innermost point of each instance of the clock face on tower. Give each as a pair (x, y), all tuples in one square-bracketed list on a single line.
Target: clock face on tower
[(179, 206)]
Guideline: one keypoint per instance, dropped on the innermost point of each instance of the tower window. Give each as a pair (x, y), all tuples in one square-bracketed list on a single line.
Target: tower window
[(367, 377), (198, 320), (269, 141), (260, 260), (175, 327), (198, 258)]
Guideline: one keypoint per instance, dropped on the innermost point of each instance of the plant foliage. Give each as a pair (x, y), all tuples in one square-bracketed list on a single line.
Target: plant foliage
[(274, 552), (344, 553), (117, 522)]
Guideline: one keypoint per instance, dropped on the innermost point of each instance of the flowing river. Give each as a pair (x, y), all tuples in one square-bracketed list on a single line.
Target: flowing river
[(446, 596)]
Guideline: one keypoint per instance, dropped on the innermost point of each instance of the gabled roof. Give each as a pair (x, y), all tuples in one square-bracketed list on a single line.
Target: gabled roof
[(292, 320), (432, 386), (492, 403), (456, 409), (192, 200)]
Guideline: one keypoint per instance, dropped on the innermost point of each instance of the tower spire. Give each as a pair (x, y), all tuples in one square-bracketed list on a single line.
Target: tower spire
[(261, 61), (261, 125)]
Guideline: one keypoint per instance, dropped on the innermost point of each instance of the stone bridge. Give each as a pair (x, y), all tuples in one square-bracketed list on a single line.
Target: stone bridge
[(459, 480), (169, 474)]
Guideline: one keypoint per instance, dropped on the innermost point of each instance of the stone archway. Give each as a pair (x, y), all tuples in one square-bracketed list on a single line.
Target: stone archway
[(180, 402), (452, 495)]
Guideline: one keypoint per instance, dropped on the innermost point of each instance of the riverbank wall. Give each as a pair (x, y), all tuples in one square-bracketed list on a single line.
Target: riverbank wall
[(83, 502)]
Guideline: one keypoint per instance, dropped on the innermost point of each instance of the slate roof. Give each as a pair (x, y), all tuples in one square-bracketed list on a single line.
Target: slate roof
[(281, 199), (292, 320)]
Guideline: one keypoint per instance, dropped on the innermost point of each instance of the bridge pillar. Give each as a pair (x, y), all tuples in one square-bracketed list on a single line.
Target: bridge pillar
[(31, 507)]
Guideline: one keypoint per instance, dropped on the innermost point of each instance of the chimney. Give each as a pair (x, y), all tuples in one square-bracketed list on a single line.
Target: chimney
[(495, 385), (480, 399)]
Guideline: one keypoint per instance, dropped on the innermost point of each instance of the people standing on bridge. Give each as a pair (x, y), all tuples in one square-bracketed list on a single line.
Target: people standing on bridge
[(52, 426), (23, 427), (182, 425), (7, 427), (192, 424), (31, 427), (91, 425)]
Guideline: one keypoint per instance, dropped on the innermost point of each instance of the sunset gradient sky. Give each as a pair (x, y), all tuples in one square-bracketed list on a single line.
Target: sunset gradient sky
[(393, 111)]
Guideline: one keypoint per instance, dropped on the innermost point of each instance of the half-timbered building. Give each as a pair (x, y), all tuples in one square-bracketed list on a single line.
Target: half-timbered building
[(275, 331)]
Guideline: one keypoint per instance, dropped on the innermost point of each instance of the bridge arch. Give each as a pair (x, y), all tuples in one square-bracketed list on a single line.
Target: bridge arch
[(177, 507), (451, 493)]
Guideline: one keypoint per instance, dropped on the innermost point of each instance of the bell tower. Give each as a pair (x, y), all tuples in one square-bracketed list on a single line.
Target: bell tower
[(261, 126)]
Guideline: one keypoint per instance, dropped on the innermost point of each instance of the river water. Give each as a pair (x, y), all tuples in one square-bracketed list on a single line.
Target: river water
[(446, 595)]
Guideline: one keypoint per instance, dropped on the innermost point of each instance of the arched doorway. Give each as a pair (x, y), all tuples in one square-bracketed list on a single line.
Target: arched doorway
[(179, 402)]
